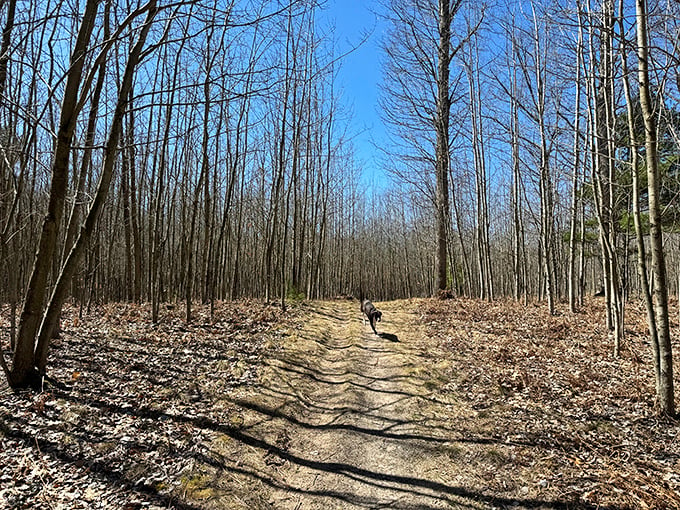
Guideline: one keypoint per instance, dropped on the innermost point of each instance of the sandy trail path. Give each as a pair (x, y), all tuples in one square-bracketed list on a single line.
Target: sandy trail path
[(347, 419)]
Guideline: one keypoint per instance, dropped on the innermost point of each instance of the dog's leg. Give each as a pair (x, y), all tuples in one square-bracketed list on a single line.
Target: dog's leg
[(373, 324)]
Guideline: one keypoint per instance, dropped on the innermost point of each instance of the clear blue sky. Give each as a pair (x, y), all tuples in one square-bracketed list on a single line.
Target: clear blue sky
[(359, 78)]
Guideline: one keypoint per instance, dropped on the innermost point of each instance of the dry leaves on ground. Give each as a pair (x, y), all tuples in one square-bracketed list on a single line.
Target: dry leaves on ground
[(551, 385), (133, 408), (120, 426)]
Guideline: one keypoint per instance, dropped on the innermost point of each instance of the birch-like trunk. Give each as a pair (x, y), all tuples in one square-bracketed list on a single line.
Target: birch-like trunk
[(660, 293), (574, 289)]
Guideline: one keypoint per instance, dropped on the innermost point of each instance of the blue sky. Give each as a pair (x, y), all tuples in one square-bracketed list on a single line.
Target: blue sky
[(359, 78)]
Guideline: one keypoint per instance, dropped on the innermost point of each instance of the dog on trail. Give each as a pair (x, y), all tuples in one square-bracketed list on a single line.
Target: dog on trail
[(374, 315)]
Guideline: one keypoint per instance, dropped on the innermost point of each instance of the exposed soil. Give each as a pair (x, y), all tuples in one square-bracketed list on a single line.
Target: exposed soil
[(354, 420), (456, 404)]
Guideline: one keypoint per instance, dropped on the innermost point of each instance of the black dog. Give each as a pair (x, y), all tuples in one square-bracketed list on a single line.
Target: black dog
[(373, 314)]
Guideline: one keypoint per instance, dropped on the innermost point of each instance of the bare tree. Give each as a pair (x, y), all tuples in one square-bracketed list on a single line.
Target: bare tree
[(22, 372), (664, 360), (471, 63), (575, 290), (532, 60), (417, 100), (604, 175), (111, 152)]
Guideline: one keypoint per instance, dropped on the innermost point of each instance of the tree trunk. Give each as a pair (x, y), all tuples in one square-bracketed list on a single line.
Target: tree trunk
[(23, 372), (442, 143), (665, 357), (108, 164), (134, 214), (573, 287)]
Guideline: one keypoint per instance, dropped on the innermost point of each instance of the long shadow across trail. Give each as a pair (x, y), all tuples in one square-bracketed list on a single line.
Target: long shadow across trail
[(344, 418), (340, 419)]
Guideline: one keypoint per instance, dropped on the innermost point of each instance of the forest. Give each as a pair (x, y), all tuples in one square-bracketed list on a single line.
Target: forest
[(180, 184)]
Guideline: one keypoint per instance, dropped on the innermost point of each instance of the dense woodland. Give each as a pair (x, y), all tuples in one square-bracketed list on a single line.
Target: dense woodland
[(202, 151)]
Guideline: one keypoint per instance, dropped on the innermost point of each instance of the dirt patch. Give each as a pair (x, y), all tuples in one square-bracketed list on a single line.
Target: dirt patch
[(348, 419)]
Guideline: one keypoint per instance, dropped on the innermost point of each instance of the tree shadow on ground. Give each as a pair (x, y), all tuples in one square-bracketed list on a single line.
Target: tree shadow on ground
[(278, 408), (407, 485), (414, 485), (98, 467)]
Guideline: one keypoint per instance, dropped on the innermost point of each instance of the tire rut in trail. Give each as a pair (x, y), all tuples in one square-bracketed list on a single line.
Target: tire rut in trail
[(343, 418)]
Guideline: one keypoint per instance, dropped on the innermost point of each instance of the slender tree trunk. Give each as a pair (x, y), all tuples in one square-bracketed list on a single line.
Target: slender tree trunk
[(279, 180), (22, 372), (160, 166), (134, 208), (573, 286), (482, 231), (127, 224), (203, 178), (111, 152), (461, 240), (546, 189), (604, 177), (660, 294), (516, 194), (12, 281), (442, 143), (8, 214), (6, 41)]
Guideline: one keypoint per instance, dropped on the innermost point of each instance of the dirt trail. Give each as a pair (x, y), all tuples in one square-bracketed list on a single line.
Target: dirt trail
[(347, 419)]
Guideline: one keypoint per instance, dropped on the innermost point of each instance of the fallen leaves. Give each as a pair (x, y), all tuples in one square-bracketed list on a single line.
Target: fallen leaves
[(122, 422), (550, 385), (136, 410)]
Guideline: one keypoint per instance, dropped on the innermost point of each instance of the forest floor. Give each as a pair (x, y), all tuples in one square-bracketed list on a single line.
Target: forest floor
[(456, 404)]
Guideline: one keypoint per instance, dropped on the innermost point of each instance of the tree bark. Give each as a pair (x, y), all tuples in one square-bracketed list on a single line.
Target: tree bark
[(110, 154), (22, 372), (573, 284), (442, 143), (660, 293)]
